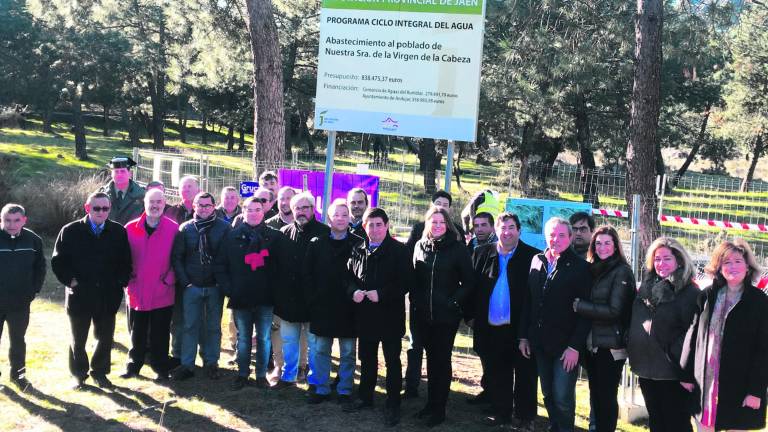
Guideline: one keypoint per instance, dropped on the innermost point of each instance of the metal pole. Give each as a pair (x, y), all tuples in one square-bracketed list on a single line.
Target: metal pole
[(448, 167), (635, 258), (330, 151)]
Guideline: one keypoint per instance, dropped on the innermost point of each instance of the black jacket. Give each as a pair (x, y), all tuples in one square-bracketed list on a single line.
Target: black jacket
[(443, 279), (222, 214), (290, 303), (186, 254), (387, 270), (548, 320), (330, 307), (250, 265), (610, 305), (485, 262), (22, 266), (743, 357), (667, 306), (101, 265), (275, 222)]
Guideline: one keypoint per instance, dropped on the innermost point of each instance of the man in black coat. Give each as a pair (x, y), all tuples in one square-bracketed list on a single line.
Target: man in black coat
[(549, 327), (291, 304), (249, 269), (357, 200), (22, 265), (194, 251), (92, 259), (330, 308), (501, 271), (380, 276)]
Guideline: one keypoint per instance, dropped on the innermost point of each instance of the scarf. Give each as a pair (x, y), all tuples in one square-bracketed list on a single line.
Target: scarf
[(601, 267), (203, 227), (655, 290)]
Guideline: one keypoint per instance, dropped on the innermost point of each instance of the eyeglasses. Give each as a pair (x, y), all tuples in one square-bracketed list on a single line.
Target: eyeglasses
[(302, 208), (581, 229), (100, 209)]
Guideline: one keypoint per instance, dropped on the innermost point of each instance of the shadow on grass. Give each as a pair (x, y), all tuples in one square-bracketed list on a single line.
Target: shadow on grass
[(68, 416)]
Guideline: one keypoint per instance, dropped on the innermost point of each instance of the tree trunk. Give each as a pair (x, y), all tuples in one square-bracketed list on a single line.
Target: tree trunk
[(133, 129), (644, 116), (204, 131), (157, 93), (268, 120), (105, 130), (427, 157), (523, 177), (230, 138), (47, 116), (549, 161), (181, 112), (79, 128), (694, 149), (241, 141), (759, 148), (586, 156)]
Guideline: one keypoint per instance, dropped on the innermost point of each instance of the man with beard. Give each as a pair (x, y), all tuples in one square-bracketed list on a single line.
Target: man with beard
[(291, 304), (151, 290), (284, 216), (92, 259), (357, 200), (582, 224), (194, 252)]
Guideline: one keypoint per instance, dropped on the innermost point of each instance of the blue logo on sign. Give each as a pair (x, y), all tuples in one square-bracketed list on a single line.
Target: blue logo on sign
[(247, 188)]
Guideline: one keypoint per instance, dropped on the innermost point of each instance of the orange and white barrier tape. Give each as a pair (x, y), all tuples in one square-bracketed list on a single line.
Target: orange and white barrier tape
[(689, 221)]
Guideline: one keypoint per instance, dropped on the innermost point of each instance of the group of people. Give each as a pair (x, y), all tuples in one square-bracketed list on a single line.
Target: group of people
[(536, 315)]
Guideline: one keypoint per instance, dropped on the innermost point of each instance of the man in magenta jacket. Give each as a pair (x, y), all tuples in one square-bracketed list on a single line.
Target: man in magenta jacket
[(151, 290)]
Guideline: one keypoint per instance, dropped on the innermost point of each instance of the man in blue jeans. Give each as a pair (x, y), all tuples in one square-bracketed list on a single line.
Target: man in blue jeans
[(330, 308), (248, 270), (194, 251), (291, 303), (549, 327)]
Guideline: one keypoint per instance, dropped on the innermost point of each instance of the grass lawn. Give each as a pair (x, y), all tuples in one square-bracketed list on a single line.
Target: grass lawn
[(199, 404)]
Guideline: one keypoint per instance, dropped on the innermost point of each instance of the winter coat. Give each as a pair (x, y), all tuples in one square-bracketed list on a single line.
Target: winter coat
[(178, 213), (387, 270), (222, 214), (610, 305), (251, 265), (153, 282), (22, 264), (187, 265), (548, 320), (485, 262), (443, 278), (275, 222), (325, 275), (290, 302), (743, 357), (101, 265), (130, 207), (666, 307)]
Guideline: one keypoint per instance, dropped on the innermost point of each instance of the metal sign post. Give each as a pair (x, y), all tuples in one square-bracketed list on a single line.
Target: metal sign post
[(448, 166), (330, 151)]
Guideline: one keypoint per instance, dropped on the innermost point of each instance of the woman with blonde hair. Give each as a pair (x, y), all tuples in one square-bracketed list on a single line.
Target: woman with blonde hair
[(726, 357), (661, 315), (443, 279)]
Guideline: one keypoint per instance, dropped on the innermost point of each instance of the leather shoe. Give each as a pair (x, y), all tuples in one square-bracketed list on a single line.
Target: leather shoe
[(496, 420), (103, 382), (479, 399)]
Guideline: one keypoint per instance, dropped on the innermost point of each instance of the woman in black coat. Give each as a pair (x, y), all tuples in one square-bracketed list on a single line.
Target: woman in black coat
[(727, 346), (443, 279), (609, 308), (661, 315)]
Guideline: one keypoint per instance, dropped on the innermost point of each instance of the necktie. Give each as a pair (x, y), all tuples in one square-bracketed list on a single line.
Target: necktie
[(97, 230), (119, 196)]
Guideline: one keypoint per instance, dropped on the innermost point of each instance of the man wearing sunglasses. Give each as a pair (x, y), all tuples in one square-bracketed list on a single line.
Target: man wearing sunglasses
[(92, 259)]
